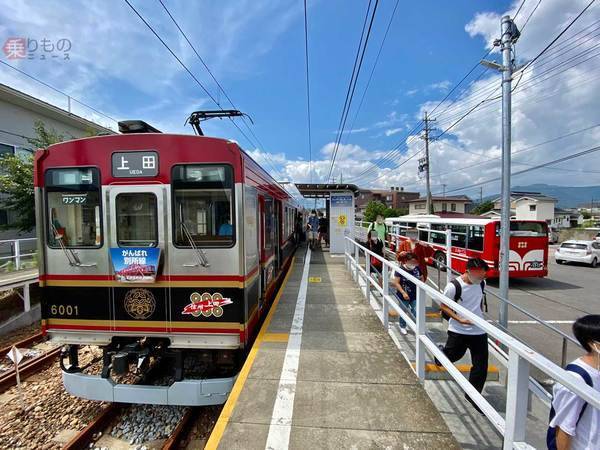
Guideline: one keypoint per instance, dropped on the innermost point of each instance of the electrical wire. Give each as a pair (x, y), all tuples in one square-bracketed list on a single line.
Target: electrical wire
[(352, 87), (307, 91)]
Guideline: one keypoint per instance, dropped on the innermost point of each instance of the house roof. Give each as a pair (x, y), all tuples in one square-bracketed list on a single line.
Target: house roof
[(24, 100), (458, 198), (521, 195)]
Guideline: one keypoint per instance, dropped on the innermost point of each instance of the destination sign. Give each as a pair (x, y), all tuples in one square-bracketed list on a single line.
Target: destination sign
[(135, 164)]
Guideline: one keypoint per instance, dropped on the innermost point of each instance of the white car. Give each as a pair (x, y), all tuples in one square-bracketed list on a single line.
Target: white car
[(587, 252)]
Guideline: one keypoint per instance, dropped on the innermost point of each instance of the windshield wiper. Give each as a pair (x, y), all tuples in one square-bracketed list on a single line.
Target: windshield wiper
[(198, 253), (72, 257)]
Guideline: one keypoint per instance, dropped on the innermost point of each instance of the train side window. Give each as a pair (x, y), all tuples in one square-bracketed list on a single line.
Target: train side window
[(203, 206), (137, 220), (475, 238), (269, 230), (73, 201)]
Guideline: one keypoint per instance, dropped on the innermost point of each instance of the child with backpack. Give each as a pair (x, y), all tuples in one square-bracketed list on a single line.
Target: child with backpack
[(573, 424), (406, 290), (463, 335)]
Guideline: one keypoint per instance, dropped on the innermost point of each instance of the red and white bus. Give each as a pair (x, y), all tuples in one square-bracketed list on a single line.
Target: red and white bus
[(474, 237)]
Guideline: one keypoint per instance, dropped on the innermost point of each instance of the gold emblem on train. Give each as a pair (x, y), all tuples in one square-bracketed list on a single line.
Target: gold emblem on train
[(140, 303)]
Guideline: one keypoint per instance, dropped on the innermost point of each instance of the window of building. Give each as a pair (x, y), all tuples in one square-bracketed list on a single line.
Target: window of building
[(73, 199), (6, 149), (203, 205), (137, 220), (453, 207), (444, 207), (532, 208), (419, 205)]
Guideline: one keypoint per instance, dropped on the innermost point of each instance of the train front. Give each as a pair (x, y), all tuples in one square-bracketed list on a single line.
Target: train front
[(141, 257)]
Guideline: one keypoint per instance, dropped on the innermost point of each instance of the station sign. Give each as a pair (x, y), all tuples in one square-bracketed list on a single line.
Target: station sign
[(134, 264), (134, 164), (342, 200)]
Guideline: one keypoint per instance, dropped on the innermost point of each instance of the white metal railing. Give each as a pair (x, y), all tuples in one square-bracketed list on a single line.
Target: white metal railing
[(18, 255), (447, 265), (520, 356)]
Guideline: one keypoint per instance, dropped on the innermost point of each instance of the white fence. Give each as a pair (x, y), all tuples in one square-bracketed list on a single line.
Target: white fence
[(520, 356), (17, 254)]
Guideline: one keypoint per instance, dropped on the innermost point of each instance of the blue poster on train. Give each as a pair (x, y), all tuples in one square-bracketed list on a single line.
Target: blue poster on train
[(135, 265)]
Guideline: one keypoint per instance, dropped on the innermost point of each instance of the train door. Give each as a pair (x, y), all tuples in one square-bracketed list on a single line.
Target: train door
[(277, 236), (137, 223)]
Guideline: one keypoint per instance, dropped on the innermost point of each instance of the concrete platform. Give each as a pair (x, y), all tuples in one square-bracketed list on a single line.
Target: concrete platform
[(325, 374)]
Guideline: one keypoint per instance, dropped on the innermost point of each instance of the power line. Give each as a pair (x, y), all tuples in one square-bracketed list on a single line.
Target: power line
[(539, 166), (181, 63), (307, 91), (220, 86), (374, 66), (529, 16), (352, 86), (519, 9), (59, 91)]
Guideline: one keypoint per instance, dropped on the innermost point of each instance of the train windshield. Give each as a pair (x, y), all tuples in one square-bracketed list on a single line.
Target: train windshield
[(137, 221), (73, 199), (202, 205)]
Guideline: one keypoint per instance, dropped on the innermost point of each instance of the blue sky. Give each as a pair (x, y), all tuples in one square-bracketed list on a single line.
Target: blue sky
[(256, 50)]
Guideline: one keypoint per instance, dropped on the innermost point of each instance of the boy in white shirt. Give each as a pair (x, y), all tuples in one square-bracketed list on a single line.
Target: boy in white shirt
[(575, 425)]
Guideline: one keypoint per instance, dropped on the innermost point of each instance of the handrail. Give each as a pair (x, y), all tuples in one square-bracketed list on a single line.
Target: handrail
[(520, 356), (539, 320)]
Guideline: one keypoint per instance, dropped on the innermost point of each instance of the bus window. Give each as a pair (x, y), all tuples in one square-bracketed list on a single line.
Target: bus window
[(475, 238), (203, 206), (438, 238), (423, 234), (137, 221), (73, 199), (525, 229), (459, 235)]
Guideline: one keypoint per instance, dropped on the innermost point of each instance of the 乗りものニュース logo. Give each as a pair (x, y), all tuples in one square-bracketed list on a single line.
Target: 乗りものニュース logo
[(206, 304)]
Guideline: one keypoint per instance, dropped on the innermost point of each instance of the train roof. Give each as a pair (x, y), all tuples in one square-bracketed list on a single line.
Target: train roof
[(87, 151)]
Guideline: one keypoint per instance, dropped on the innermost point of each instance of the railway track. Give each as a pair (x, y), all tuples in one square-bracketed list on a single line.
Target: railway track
[(34, 365), (22, 343), (87, 437)]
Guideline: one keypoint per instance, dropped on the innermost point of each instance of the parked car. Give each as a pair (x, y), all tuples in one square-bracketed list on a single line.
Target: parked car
[(597, 236), (552, 237), (587, 252)]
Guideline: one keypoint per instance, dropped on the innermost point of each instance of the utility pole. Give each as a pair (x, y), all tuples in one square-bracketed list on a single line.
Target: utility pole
[(480, 195), (510, 34), (444, 190), (426, 165)]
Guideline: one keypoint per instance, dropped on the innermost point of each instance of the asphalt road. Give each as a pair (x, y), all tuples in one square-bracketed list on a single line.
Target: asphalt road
[(570, 291)]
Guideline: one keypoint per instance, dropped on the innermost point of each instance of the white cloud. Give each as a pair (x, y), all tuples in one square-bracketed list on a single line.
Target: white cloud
[(392, 131), (440, 86), (411, 92)]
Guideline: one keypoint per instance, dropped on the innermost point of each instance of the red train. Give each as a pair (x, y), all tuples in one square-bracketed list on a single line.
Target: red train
[(217, 230)]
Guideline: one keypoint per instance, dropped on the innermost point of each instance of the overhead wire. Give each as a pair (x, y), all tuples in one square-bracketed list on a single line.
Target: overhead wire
[(307, 92), (352, 87)]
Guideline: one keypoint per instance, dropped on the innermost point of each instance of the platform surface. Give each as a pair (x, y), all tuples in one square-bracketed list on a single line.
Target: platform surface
[(325, 374)]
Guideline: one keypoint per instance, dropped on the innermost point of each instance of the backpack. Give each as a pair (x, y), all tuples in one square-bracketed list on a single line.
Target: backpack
[(458, 296), (551, 433)]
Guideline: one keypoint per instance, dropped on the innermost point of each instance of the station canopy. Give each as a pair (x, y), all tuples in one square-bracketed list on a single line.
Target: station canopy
[(310, 190)]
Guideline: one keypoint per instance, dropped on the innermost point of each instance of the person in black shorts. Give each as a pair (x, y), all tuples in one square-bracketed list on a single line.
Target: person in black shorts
[(322, 230)]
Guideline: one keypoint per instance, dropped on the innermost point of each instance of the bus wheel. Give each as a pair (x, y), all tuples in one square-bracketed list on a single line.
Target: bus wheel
[(440, 261)]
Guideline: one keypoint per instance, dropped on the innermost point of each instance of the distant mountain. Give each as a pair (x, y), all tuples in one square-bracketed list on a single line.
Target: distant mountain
[(567, 196)]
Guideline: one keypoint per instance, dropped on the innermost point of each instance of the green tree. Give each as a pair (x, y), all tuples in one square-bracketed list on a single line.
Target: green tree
[(483, 207), (16, 179), (586, 215), (374, 209)]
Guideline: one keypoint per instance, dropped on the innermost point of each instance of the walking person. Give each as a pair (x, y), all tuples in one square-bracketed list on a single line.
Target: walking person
[(379, 226), (322, 231), (406, 290), (311, 227), (376, 246), (463, 335), (574, 425), (423, 251)]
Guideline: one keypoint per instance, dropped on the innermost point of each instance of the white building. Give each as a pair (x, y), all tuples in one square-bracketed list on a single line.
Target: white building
[(535, 207), (458, 204), (18, 114)]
